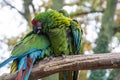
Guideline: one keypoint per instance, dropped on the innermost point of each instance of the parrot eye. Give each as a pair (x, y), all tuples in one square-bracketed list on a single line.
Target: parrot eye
[(39, 24)]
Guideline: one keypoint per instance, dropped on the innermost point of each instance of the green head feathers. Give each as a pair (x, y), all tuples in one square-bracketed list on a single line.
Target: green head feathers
[(52, 19), (64, 12), (40, 17)]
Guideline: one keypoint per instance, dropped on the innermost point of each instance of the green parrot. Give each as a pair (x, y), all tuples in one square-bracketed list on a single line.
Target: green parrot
[(64, 33), (24, 55)]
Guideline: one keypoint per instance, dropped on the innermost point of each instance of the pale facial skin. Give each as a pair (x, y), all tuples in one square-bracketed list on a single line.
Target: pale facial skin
[(39, 25)]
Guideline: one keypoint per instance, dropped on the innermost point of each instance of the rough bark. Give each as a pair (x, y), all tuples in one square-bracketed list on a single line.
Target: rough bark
[(73, 62)]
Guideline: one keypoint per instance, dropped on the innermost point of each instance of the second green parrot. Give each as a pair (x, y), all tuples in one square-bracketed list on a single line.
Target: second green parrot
[(64, 33)]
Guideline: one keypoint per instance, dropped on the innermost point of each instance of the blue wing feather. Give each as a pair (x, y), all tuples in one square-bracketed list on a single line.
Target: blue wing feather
[(7, 61), (15, 57), (33, 56), (77, 37), (26, 54), (24, 62)]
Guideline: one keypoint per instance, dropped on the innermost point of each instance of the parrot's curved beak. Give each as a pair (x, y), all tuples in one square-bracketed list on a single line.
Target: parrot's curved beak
[(37, 26)]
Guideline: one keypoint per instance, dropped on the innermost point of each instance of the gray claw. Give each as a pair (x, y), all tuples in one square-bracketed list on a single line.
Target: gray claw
[(63, 56), (50, 58)]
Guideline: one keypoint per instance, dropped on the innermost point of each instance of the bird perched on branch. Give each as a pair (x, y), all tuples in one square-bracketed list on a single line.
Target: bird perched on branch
[(53, 32), (24, 54), (64, 33)]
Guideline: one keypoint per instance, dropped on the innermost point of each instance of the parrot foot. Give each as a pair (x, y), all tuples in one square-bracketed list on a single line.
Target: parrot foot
[(63, 56), (50, 58)]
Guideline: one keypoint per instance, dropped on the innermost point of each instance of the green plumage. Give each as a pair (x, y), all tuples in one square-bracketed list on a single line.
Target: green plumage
[(31, 41), (64, 33), (52, 19), (55, 24), (64, 13), (59, 44)]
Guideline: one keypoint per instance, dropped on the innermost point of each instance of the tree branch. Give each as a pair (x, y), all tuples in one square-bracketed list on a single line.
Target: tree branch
[(13, 7), (70, 63), (84, 13)]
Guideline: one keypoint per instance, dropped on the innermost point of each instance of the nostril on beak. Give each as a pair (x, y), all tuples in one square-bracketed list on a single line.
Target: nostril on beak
[(39, 27), (38, 31)]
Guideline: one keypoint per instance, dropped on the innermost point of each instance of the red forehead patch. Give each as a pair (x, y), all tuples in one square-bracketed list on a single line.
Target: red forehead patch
[(34, 22)]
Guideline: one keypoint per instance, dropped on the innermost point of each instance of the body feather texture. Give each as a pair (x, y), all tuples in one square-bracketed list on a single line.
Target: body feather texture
[(24, 54), (64, 33)]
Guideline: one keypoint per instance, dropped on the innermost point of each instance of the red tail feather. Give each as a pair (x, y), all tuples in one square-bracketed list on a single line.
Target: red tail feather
[(29, 62), (19, 75), (22, 73)]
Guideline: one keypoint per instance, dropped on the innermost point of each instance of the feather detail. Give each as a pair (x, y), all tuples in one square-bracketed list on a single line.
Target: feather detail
[(7, 61), (19, 75), (14, 66), (24, 54), (26, 63), (77, 35), (28, 69)]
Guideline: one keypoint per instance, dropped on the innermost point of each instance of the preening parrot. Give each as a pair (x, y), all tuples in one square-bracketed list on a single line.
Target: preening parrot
[(24, 54), (64, 33)]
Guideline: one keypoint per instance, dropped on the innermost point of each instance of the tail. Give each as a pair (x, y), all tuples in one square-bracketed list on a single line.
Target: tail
[(25, 65), (7, 61), (24, 72), (77, 35), (67, 75), (75, 75), (14, 66), (15, 57)]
